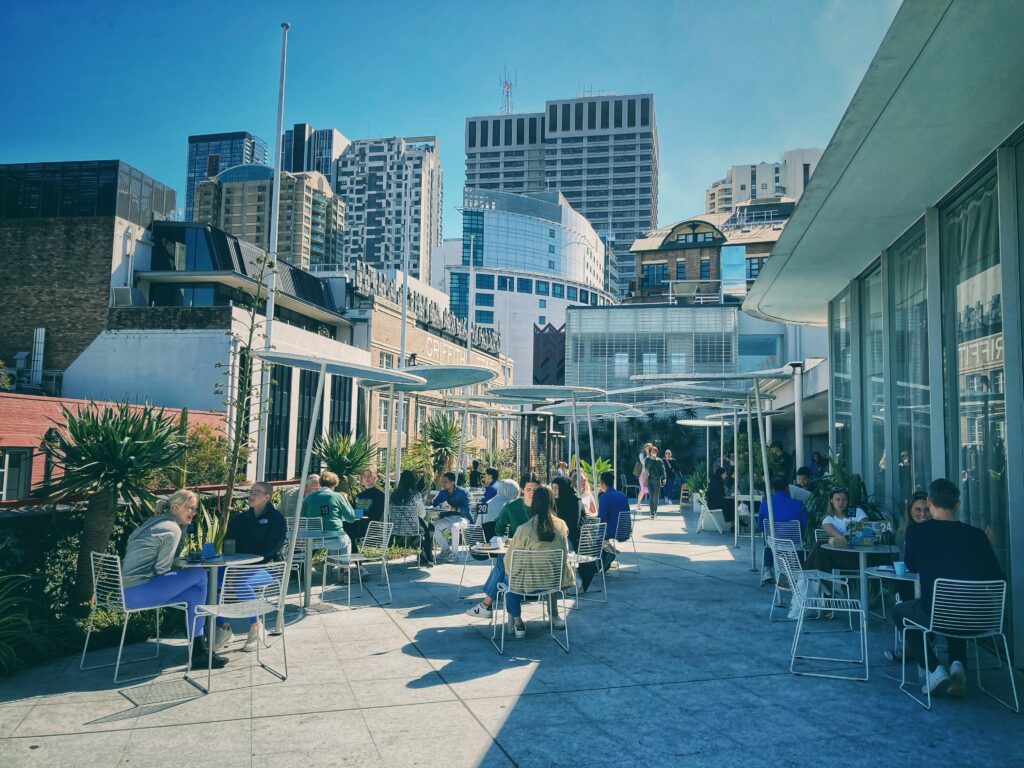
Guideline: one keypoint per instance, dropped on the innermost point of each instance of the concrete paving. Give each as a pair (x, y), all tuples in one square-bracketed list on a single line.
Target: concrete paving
[(680, 667)]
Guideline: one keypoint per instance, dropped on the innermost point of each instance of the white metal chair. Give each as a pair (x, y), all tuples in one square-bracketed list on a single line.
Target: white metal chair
[(968, 610), (299, 556), (785, 556), (710, 518), (372, 549), (108, 594), (247, 590), (624, 531), (590, 550), (625, 485), (472, 535), (821, 536), (789, 579), (784, 529), (533, 573), (406, 521)]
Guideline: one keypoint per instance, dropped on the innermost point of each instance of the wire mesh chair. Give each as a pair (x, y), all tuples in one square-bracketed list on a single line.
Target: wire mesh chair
[(790, 577), (623, 533), (591, 550), (247, 590), (821, 536), (406, 521), (472, 535), (784, 529), (372, 549), (967, 610), (108, 594), (710, 518), (534, 573), (788, 564), (299, 556)]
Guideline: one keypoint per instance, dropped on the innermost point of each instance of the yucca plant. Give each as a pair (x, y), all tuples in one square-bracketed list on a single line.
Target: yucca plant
[(108, 455), (346, 457), (601, 465), (443, 435), (698, 479)]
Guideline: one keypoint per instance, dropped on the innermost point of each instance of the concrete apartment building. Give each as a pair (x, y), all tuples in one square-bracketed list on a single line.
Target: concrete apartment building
[(211, 153), (786, 178), (311, 218), (600, 152)]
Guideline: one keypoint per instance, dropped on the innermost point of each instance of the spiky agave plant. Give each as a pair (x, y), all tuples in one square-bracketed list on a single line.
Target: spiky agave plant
[(346, 457), (108, 455), (443, 434)]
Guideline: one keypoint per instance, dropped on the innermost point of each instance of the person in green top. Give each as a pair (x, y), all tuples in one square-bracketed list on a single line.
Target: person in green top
[(516, 512), (333, 509)]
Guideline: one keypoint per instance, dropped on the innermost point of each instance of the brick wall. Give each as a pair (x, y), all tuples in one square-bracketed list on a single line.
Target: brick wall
[(54, 274)]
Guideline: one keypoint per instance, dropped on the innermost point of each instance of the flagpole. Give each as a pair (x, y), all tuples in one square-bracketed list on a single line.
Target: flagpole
[(271, 278)]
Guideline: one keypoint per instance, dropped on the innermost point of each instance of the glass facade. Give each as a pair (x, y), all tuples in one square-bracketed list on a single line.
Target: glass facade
[(841, 358), (279, 412), (209, 154), (912, 453), (872, 384), (307, 398)]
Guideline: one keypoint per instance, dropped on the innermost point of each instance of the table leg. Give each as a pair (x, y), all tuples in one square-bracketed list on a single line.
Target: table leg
[(211, 599), (309, 574), (863, 559)]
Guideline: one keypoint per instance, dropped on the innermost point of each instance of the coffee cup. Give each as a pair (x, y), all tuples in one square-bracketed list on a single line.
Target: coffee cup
[(900, 567), (209, 552), (229, 546)]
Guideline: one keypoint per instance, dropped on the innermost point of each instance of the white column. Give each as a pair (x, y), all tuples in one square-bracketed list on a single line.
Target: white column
[(798, 413)]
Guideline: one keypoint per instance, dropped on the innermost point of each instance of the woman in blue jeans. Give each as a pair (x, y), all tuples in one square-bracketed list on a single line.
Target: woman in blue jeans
[(146, 569), (544, 530)]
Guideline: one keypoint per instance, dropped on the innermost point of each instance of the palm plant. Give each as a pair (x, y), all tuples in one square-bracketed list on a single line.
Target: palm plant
[(600, 466), (346, 457), (108, 455), (443, 435), (698, 479)]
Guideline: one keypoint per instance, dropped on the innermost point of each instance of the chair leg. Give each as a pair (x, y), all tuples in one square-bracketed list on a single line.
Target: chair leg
[(927, 702), (1009, 668), (458, 593), (120, 647), (262, 641), (387, 580), (636, 556), (498, 610), (88, 634)]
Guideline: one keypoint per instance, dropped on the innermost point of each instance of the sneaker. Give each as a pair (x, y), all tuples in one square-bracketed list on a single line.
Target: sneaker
[(253, 639), (957, 680), (450, 557), (201, 655), (936, 682), (520, 630), (480, 611), (224, 636), (767, 577)]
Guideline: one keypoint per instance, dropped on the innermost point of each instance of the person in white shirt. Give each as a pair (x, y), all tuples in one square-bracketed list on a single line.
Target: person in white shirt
[(840, 514)]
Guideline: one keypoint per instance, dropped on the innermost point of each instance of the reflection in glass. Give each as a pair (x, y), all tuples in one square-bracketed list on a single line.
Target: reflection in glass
[(842, 385), (873, 387)]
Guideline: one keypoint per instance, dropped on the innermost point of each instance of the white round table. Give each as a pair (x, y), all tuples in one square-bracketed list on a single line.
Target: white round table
[(862, 563), (212, 564)]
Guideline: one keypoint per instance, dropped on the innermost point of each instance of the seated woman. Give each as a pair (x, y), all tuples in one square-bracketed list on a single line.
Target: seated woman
[(148, 578), (916, 512), (836, 524), (568, 507), (407, 493), (716, 496), (587, 499), (544, 530), (839, 515), (505, 492)]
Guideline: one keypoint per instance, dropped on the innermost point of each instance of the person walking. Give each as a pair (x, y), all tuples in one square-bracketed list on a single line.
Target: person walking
[(671, 476), (641, 464), (655, 479)]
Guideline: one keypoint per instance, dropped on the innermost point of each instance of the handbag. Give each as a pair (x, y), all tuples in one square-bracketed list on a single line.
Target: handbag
[(638, 469)]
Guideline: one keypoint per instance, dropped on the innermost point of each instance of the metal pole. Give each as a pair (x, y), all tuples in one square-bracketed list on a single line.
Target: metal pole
[(387, 455), (400, 420), (750, 483), (593, 461), (579, 453), (764, 463), (615, 451), (721, 444), (271, 278), (294, 537), (798, 413), (735, 478), (469, 348)]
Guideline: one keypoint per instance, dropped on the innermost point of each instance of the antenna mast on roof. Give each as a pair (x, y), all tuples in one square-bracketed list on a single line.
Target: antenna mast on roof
[(506, 91)]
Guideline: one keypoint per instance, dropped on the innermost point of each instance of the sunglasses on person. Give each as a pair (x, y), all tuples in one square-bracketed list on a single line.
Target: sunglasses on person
[(840, 490)]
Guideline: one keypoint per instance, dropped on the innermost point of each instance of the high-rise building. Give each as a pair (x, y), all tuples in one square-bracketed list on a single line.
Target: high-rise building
[(600, 152), (306, 148), (533, 257), (788, 177), (211, 153), (310, 221), (392, 189)]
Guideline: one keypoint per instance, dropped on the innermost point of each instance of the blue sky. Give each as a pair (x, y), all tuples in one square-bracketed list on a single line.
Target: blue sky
[(734, 81)]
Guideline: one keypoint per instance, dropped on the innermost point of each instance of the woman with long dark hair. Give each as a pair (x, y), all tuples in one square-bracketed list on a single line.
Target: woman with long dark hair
[(407, 493), (568, 507), (544, 530)]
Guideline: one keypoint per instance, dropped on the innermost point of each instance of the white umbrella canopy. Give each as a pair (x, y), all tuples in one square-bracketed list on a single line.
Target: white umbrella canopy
[(546, 391), (595, 409), (439, 377)]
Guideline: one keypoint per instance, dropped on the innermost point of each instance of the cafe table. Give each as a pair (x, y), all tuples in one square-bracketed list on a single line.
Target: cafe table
[(211, 564), (888, 572), (862, 563)]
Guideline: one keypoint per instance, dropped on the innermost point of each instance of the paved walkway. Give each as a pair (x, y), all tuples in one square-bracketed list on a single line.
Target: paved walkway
[(681, 668)]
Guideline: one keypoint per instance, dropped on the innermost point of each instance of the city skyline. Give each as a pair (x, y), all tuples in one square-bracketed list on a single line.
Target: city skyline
[(805, 77)]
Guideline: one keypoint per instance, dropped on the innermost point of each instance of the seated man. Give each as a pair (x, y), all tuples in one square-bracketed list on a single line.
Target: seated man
[(259, 530), (492, 477), (455, 515), (943, 548), (801, 489), (369, 506), (784, 509), (475, 475), (610, 504)]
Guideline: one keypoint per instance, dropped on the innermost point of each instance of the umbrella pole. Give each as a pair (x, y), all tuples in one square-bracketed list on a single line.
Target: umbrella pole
[(387, 456), (750, 481), (735, 480), (579, 453), (294, 537), (615, 451), (764, 461), (593, 461)]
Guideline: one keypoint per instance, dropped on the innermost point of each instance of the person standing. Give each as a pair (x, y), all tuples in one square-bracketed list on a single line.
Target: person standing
[(671, 476), (655, 479), (642, 477)]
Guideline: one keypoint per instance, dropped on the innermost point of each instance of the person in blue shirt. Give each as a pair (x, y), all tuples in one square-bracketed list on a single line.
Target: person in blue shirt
[(455, 515), (492, 477), (610, 504), (784, 509)]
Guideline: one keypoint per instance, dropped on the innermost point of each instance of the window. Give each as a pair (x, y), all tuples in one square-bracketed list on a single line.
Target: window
[(620, 363), (841, 391), (754, 267), (584, 296), (557, 290), (520, 130), (654, 275), (680, 270), (542, 320), (551, 264), (618, 114), (508, 132), (631, 113), (542, 303), (650, 362), (483, 133), (551, 233), (533, 130), (552, 118), (645, 112), (524, 285), (592, 115), (495, 133), (504, 283), (386, 360), (677, 362), (572, 294), (383, 414), (604, 114), (472, 133), (542, 287), (579, 115), (484, 317), (566, 121), (743, 187), (485, 281), (705, 267), (873, 454), (551, 249), (485, 299)]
